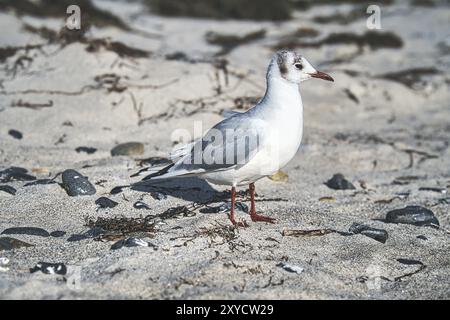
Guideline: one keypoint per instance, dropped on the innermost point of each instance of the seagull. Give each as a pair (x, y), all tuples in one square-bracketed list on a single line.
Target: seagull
[(247, 146)]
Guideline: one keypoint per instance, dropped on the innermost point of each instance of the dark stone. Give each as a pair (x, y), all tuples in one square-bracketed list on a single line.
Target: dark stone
[(141, 205), (117, 189), (128, 149), (76, 184), (50, 268), (31, 231), (432, 189), (57, 234), (225, 207), (132, 242), (87, 150), (8, 189), (40, 182), (91, 233), (104, 202), (421, 237), (379, 235), (158, 195), (15, 174), (338, 182), (15, 134), (7, 243), (410, 262), (415, 215), (77, 237)]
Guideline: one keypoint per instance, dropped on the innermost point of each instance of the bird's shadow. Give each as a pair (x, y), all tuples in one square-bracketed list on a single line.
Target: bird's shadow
[(189, 189)]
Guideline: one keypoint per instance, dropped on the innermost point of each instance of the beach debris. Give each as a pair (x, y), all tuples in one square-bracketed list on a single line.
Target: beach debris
[(15, 174), (88, 150), (128, 149), (415, 215), (76, 184), (132, 242), (15, 134), (338, 182), (279, 176), (122, 225), (152, 161), (432, 189), (31, 231), (307, 233), (117, 189), (57, 234), (104, 202), (4, 261), (410, 262), (7, 243), (379, 235), (403, 180), (327, 199), (141, 205), (8, 189), (290, 267), (31, 105), (91, 233), (40, 182), (49, 268), (422, 237)]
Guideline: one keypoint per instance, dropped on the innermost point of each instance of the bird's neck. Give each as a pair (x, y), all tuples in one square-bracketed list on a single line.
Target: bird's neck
[(282, 94)]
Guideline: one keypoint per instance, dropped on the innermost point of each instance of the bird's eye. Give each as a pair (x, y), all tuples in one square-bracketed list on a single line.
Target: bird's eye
[(299, 66)]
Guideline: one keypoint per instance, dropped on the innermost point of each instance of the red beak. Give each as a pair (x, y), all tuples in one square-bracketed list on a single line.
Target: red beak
[(321, 75)]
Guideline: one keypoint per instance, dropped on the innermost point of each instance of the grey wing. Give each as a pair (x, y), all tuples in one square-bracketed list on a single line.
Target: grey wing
[(232, 142)]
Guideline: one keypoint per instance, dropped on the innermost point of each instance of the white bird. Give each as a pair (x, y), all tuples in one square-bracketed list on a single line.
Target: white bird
[(246, 147)]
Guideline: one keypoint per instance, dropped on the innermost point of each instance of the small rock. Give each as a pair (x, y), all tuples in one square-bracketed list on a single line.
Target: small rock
[(141, 205), (7, 243), (410, 262), (379, 235), (117, 190), (158, 195), (432, 189), (76, 184), (3, 264), (15, 174), (415, 215), (40, 182), (225, 207), (104, 202), (128, 149), (338, 182), (8, 189), (290, 267), (50, 268), (87, 150), (280, 176), (57, 234), (327, 199), (132, 242), (421, 237), (15, 134), (31, 231)]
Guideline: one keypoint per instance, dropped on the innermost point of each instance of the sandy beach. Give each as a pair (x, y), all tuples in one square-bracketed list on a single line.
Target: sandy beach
[(133, 74)]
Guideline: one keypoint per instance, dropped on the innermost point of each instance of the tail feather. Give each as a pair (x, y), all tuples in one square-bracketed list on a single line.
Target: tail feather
[(159, 173)]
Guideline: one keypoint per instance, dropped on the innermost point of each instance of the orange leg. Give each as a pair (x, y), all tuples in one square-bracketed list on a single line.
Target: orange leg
[(256, 217), (233, 203)]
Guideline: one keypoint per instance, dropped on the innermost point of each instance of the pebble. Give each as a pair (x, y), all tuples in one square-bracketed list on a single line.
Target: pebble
[(3, 264), (76, 184), (290, 267), (141, 205), (50, 268), (410, 262), (8, 189), (15, 173), (31, 231), (379, 235), (128, 149), (225, 207), (15, 134), (432, 189), (132, 242), (421, 237), (7, 243), (88, 150), (158, 195), (104, 202), (415, 215), (57, 234), (117, 190), (338, 182)]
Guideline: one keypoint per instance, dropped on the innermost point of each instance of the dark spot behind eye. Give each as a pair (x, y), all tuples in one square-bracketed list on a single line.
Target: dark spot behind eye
[(299, 66)]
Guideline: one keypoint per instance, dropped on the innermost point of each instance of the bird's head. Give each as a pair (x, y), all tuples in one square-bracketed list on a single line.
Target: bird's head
[(294, 68)]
